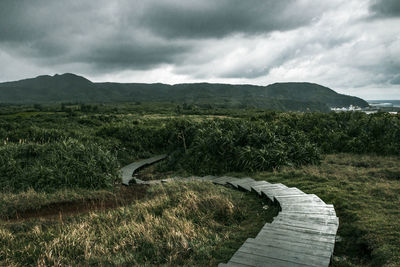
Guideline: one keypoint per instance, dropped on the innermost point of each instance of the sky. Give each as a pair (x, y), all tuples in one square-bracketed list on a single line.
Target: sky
[(351, 46)]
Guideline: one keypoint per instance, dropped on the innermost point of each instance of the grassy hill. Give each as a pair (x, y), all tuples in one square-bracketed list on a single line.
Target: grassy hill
[(72, 88)]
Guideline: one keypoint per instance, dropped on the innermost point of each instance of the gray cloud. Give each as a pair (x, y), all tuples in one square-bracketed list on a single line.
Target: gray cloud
[(254, 41), (395, 80), (385, 8), (200, 19), (134, 34)]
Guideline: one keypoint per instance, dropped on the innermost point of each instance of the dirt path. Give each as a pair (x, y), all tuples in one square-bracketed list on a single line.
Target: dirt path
[(56, 211)]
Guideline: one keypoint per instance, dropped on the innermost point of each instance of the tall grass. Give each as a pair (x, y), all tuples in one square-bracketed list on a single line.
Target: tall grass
[(177, 224)]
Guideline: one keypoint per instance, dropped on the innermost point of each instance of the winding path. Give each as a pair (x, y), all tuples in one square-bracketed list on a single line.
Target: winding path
[(130, 169), (302, 234)]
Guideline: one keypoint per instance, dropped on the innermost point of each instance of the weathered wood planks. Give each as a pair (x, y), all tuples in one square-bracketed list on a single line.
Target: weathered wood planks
[(303, 233)]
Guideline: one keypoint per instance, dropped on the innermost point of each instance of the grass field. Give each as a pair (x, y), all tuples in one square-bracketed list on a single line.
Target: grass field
[(203, 224), (174, 224)]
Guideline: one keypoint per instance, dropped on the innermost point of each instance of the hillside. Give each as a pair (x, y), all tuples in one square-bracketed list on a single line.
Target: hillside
[(73, 88)]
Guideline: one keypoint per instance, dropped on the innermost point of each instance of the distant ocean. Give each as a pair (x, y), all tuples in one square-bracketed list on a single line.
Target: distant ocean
[(395, 103)]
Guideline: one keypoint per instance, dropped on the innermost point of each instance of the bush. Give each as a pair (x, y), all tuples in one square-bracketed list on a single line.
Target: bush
[(220, 146), (50, 166)]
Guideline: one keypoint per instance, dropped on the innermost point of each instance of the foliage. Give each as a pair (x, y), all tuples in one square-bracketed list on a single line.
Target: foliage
[(353, 132), (50, 166), (220, 146), (216, 141)]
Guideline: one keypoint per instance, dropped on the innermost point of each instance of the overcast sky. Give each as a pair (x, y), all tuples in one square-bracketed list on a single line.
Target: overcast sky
[(351, 46)]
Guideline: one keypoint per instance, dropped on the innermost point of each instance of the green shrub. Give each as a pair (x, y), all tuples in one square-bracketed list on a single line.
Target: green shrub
[(220, 146), (50, 166)]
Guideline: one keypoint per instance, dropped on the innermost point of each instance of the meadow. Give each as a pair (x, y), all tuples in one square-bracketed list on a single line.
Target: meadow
[(53, 157)]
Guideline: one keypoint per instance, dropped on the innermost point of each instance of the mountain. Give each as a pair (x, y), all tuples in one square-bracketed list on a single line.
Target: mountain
[(73, 88)]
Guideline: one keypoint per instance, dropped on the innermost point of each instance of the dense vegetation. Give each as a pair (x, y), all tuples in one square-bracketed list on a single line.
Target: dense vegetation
[(55, 165), (60, 150), (278, 96)]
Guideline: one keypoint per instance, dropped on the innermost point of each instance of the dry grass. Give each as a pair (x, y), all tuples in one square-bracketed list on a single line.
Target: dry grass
[(176, 224)]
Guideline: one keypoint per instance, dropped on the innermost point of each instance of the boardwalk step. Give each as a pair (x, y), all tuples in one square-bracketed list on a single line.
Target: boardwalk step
[(310, 209), (309, 218), (310, 248), (276, 237), (248, 186), (271, 193), (257, 260), (259, 188), (283, 254), (292, 231), (241, 181), (223, 180)]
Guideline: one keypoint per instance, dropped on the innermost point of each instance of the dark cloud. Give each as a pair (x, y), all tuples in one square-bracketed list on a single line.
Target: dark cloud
[(210, 18), (119, 56), (385, 8), (135, 34)]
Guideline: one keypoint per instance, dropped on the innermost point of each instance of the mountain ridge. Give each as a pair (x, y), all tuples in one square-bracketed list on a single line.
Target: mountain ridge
[(69, 87)]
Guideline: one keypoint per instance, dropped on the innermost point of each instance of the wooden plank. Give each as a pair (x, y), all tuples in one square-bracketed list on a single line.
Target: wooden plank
[(323, 212), (308, 209), (128, 170), (310, 248), (322, 218), (258, 260), (224, 180), (300, 240), (309, 218), (284, 254), (294, 230), (258, 188), (306, 206), (301, 198), (298, 231), (270, 193), (248, 186), (321, 228), (240, 181)]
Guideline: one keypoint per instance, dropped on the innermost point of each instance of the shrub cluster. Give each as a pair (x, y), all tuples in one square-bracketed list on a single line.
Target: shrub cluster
[(350, 132), (55, 165), (220, 146)]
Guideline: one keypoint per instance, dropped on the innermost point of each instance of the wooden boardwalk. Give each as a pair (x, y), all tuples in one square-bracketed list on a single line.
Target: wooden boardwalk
[(128, 170), (302, 234)]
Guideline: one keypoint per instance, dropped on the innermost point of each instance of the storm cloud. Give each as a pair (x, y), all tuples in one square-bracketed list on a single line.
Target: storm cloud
[(385, 8), (351, 46)]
